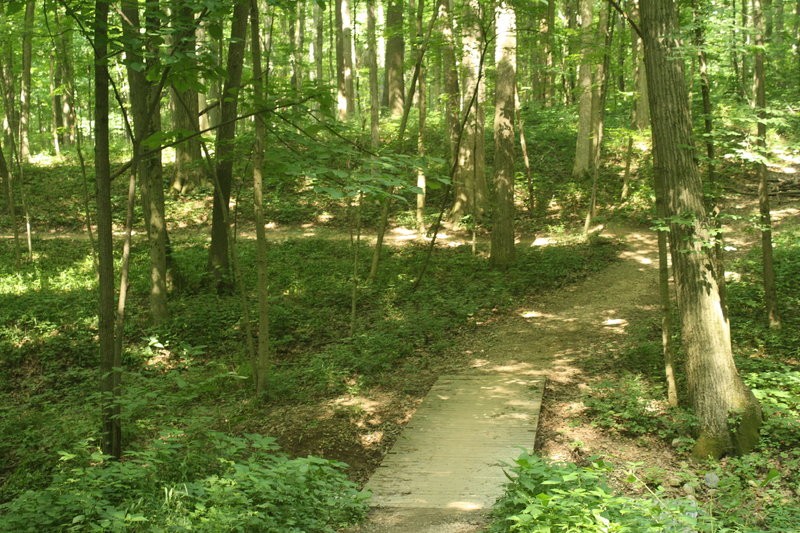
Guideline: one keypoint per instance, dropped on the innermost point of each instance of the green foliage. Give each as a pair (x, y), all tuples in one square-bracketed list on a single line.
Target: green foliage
[(632, 406), (547, 497), (211, 482)]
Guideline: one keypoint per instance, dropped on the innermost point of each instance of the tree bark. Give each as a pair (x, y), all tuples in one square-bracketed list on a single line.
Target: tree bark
[(185, 106), (765, 218), (583, 144), (729, 415), (25, 96), (109, 366), (502, 248), (146, 110), (218, 261), (395, 52), (423, 109), (470, 187), (261, 364), (318, 40), (450, 77), (372, 64)]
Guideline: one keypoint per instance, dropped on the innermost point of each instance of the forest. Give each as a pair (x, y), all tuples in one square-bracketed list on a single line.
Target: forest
[(241, 239)]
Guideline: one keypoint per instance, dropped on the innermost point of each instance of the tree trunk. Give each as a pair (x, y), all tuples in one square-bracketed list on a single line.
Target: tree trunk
[(185, 107), (8, 187), (145, 99), (342, 105), (583, 144), (599, 91), (318, 40), (422, 108), (261, 364), (502, 251), (25, 96), (549, 53), (470, 187), (64, 45), (55, 107), (765, 218), (218, 262), (109, 366), (450, 77), (372, 64), (729, 415), (395, 51)]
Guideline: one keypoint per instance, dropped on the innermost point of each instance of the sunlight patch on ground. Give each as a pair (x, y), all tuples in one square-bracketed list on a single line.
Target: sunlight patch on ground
[(733, 276), (534, 314), (617, 325), (543, 241), (364, 404), (371, 439), (464, 506)]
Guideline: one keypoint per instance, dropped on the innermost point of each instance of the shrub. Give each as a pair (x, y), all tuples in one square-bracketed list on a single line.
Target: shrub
[(564, 497), (214, 483)]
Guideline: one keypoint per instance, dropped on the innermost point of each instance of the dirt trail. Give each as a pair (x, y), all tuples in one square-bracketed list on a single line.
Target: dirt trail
[(544, 337)]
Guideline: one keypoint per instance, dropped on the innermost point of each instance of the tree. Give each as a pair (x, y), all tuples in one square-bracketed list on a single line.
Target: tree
[(25, 97), (218, 263), (583, 143), (765, 219), (109, 365), (470, 188), (145, 98), (502, 252), (729, 415), (394, 89), (185, 102)]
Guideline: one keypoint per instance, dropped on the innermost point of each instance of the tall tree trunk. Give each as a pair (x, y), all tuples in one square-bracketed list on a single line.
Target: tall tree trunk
[(549, 53), (25, 96), (342, 104), (146, 110), (64, 51), (372, 64), (667, 346), (470, 187), (347, 49), (185, 106), (55, 107), (599, 91), (261, 364), (422, 108), (583, 144), (502, 251), (109, 366), (8, 187), (218, 262), (765, 218), (318, 40), (450, 76), (729, 415), (395, 52)]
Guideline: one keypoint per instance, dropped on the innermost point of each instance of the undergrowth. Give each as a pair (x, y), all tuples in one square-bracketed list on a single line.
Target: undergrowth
[(186, 388), (755, 492)]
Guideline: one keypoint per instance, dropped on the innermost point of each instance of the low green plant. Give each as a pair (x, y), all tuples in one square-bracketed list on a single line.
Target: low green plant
[(545, 497), (635, 407), (207, 482)]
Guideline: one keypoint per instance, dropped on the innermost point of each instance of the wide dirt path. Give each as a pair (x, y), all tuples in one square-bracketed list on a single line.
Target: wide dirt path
[(543, 338)]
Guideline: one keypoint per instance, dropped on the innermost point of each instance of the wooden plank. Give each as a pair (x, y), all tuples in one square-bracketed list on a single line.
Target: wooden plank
[(453, 452)]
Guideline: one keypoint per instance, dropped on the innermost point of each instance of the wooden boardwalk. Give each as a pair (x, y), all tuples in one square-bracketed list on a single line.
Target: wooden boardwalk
[(451, 454)]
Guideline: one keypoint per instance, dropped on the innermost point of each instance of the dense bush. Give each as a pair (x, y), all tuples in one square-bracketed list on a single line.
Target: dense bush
[(212, 483), (547, 497)]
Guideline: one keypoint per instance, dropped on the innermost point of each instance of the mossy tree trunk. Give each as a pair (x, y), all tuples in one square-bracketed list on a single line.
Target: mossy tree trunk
[(728, 413)]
